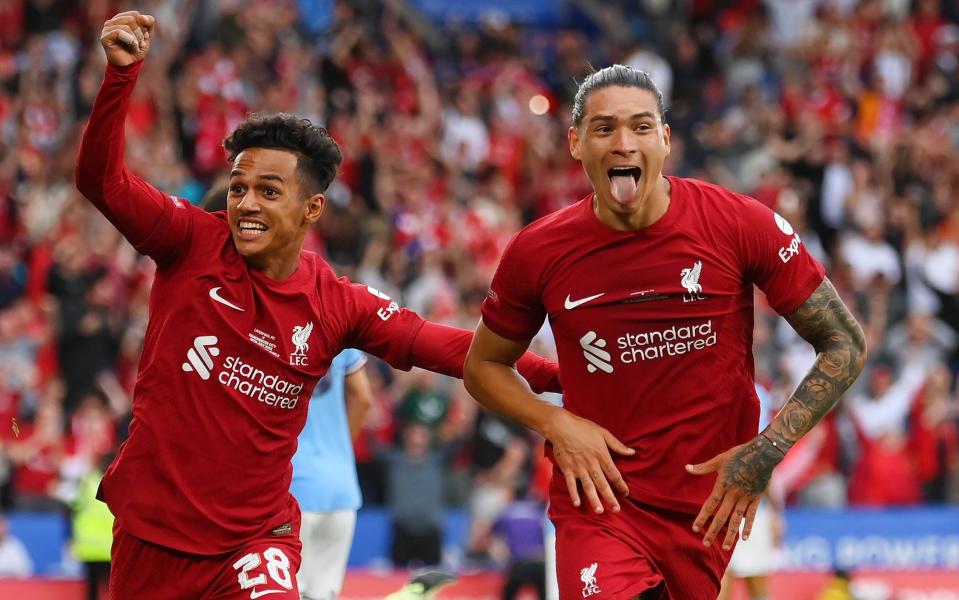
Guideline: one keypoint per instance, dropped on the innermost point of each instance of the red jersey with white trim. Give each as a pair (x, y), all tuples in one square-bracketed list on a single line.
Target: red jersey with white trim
[(230, 357), (653, 328)]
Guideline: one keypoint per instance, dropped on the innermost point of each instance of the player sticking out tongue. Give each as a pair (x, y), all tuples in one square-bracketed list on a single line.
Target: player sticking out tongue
[(623, 181)]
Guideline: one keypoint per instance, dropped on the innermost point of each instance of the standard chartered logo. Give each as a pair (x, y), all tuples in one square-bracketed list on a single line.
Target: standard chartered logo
[(597, 358), (200, 356), (648, 345), (241, 376), (672, 341)]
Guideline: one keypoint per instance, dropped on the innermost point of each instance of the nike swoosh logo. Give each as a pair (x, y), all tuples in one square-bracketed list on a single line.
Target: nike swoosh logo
[(215, 295), (255, 594), (571, 304)]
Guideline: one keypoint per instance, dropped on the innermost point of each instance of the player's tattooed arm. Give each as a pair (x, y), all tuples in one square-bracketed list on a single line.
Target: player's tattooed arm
[(825, 322)]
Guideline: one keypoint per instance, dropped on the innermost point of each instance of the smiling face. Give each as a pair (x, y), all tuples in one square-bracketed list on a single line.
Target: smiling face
[(623, 143), (268, 212)]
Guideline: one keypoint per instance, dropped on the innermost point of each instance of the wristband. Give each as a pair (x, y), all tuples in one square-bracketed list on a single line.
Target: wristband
[(773, 442)]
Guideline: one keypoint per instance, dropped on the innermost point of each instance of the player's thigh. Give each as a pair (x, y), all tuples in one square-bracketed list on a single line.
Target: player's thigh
[(758, 587), (595, 562), (141, 569), (726, 586), (692, 571), (262, 568)]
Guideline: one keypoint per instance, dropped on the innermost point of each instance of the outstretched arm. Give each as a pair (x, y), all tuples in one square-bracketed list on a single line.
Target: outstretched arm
[(581, 448), (135, 208), (744, 471), (405, 340), (444, 350), (126, 39)]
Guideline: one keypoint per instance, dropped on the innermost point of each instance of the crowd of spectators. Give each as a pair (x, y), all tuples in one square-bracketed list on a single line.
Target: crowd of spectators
[(842, 115)]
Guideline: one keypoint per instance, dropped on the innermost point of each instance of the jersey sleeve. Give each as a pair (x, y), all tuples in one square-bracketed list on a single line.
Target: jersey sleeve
[(353, 360), (405, 340), (775, 259), (377, 324), (157, 224), (512, 307)]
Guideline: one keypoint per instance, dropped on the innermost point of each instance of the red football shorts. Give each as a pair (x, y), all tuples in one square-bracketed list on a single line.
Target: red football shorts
[(264, 567), (621, 555)]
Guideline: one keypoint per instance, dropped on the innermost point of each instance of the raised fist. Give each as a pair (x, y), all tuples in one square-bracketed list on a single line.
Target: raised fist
[(126, 37)]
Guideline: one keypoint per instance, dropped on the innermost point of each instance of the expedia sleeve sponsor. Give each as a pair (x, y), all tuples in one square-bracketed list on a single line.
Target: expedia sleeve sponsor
[(775, 258)]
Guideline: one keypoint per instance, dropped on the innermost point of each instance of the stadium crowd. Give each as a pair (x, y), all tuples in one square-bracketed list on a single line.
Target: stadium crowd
[(842, 115)]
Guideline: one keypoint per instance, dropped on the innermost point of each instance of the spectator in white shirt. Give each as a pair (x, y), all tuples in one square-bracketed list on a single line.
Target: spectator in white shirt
[(883, 408)]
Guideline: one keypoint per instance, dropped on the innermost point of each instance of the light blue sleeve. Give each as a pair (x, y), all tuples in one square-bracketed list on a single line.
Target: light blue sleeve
[(351, 359), (765, 407)]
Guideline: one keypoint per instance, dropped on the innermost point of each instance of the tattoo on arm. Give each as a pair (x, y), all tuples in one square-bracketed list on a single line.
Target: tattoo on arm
[(751, 467), (825, 322)]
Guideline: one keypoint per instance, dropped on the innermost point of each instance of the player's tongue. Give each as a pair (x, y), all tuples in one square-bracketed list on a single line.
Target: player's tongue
[(623, 188)]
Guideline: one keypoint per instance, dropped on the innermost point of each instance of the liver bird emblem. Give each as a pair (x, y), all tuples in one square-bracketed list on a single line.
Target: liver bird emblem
[(690, 279), (588, 575), (301, 336)]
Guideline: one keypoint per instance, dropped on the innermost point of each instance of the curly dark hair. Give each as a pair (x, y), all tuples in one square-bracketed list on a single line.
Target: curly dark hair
[(615, 75), (319, 155)]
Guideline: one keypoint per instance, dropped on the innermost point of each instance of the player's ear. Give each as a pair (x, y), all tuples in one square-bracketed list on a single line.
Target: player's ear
[(313, 208), (573, 136), (666, 134)]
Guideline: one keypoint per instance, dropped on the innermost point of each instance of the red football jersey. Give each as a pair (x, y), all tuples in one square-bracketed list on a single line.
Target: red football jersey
[(230, 357), (654, 328)]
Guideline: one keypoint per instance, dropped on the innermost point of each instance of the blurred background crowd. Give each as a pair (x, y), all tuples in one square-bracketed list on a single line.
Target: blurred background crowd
[(842, 115)]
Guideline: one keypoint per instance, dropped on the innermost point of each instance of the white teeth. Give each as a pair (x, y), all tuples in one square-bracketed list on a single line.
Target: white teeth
[(252, 226)]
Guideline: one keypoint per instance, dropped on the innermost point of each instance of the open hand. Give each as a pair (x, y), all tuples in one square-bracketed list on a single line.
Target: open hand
[(126, 37), (744, 473), (581, 450)]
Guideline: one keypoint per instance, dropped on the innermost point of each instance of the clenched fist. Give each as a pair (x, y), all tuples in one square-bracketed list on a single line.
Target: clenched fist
[(126, 37)]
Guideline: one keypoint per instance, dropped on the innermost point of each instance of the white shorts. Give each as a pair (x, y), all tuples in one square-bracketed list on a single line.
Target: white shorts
[(327, 538), (488, 502), (757, 555), (549, 546)]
